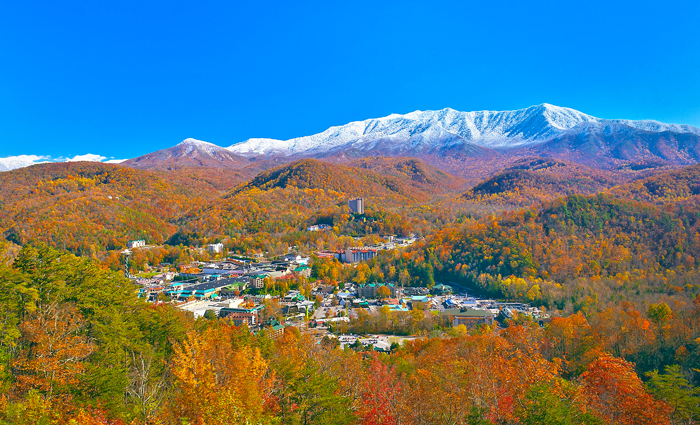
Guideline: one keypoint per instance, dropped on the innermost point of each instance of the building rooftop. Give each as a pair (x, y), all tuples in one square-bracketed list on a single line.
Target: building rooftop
[(466, 313)]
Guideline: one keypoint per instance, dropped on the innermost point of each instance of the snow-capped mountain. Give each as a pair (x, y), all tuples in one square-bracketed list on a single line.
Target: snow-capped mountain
[(431, 131), (188, 153)]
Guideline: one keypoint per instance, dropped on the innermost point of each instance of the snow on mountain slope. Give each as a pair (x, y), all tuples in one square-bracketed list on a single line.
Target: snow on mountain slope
[(189, 145), (188, 153), (421, 131)]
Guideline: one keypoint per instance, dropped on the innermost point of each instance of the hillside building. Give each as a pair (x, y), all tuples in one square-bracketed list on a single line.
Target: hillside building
[(215, 248), (355, 255), (136, 244), (357, 206)]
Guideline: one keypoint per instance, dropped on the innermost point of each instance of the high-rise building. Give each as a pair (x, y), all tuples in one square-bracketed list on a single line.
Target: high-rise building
[(357, 206)]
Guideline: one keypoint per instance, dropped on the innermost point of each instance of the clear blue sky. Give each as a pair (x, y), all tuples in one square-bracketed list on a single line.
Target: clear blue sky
[(124, 78)]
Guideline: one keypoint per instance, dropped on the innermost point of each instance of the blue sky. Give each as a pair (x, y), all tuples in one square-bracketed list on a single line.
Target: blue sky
[(125, 78)]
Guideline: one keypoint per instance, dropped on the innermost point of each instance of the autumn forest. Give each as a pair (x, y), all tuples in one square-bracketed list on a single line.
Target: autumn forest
[(612, 255)]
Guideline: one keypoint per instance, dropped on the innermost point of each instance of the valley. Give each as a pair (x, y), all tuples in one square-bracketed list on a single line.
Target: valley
[(310, 278)]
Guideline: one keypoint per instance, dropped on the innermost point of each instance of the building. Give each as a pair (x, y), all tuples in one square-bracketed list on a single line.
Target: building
[(304, 271), (369, 290), (275, 329), (442, 289), (205, 290), (215, 248), (467, 317), (258, 280), (357, 206), (355, 255), (135, 244), (296, 258), (240, 315), (239, 283)]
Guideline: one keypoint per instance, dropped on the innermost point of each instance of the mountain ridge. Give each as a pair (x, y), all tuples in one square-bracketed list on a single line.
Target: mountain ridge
[(447, 127), (472, 145)]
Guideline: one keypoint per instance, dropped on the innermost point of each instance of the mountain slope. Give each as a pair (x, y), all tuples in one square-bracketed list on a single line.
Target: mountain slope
[(188, 153), (412, 171), (531, 181), (446, 130), (315, 174), (88, 207), (678, 186), (612, 143), (280, 202)]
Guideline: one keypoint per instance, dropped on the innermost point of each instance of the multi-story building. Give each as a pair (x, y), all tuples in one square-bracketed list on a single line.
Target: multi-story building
[(357, 206), (468, 317), (135, 244), (240, 315), (258, 280), (369, 290), (215, 248), (355, 255)]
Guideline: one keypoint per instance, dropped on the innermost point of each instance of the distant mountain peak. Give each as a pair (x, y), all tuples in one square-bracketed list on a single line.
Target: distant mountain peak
[(444, 130), (191, 141), (190, 152)]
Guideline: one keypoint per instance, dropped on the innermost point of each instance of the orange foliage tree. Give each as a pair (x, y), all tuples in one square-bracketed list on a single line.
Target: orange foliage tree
[(616, 393), (54, 351)]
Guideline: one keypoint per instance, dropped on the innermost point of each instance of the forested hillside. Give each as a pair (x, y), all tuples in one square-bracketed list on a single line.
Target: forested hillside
[(677, 186), (87, 208), (411, 171), (618, 270), (77, 346), (569, 252), (279, 204), (533, 180)]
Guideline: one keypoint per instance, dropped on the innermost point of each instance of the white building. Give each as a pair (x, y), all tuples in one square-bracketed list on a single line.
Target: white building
[(215, 248), (135, 244)]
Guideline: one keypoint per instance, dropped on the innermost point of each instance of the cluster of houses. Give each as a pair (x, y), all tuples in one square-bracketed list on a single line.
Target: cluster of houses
[(223, 278), (453, 309), (217, 288)]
